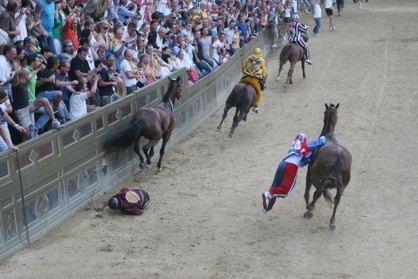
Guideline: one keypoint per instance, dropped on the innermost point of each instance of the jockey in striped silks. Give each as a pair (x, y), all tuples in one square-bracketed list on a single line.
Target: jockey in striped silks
[(294, 36)]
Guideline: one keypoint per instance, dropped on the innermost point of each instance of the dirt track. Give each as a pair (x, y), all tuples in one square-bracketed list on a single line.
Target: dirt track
[(205, 220)]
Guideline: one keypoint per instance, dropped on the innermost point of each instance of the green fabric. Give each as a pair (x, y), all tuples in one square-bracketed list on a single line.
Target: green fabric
[(57, 31), (31, 86)]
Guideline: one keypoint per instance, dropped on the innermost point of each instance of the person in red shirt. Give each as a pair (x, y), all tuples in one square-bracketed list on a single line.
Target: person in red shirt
[(130, 201), (69, 30)]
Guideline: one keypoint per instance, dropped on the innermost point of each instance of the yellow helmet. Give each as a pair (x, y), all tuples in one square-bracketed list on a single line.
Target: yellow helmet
[(257, 51)]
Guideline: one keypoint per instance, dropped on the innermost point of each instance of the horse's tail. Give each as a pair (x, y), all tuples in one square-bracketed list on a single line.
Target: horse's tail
[(333, 180), (124, 139)]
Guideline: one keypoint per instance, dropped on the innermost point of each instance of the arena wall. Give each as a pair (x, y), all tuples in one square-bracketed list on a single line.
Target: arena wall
[(51, 177)]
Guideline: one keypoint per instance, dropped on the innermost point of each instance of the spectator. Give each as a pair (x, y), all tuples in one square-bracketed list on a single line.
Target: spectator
[(69, 30), (109, 79), (46, 52), (7, 72), (243, 27), (20, 19), (229, 32), (185, 62), (328, 11), (64, 83), (5, 139), (236, 38), (103, 36), (198, 57), (317, 14), (59, 21), (67, 50), (126, 9), (29, 46), (79, 65), (78, 100), (35, 27), (161, 68), (152, 35), (47, 18), (148, 70), (129, 72), (118, 45), (7, 19)]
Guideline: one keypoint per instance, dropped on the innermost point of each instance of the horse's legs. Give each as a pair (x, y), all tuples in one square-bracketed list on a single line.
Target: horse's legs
[(147, 147), (151, 152), (332, 220), (303, 68), (237, 119), (226, 109), (307, 188), (138, 151), (280, 70), (316, 196), (162, 151), (289, 74)]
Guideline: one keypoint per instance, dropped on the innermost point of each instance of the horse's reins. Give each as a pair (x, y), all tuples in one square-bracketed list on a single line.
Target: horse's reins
[(171, 104)]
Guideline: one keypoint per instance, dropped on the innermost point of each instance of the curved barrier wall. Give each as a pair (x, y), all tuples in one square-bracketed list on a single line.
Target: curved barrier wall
[(51, 177)]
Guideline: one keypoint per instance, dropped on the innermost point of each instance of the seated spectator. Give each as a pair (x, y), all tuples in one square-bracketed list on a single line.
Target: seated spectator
[(46, 52), (129, 72), (186, 63), (107, 82), (78, 100), (23, 107), (5, 139), (236, 39)]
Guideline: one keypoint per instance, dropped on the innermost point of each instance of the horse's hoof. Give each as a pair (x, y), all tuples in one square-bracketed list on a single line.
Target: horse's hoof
[(146, 167), (159, 169), (141, 166), (285, 85), (331, 227), (228, 138), (278, 78), (218, 130), (308, 214)]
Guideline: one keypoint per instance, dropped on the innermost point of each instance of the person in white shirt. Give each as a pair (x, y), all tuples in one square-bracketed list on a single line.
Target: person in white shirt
[(317, 14), (129, 72), (78, 100)]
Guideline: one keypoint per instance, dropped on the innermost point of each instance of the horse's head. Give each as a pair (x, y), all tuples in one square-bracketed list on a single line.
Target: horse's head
[(330, 118), (175, 88)]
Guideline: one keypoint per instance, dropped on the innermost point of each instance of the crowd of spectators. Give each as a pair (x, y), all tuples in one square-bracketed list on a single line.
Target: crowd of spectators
[(65, 58)]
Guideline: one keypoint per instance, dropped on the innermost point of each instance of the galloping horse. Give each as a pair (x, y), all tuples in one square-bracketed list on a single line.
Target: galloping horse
[(293, 53), (330, 167), (241, 97), (151, 123)]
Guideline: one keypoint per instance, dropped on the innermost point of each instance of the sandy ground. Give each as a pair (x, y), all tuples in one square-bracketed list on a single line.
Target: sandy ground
[(205, 220)]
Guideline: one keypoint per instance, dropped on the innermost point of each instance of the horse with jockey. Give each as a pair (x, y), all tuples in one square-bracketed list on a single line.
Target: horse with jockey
[(296, 30)]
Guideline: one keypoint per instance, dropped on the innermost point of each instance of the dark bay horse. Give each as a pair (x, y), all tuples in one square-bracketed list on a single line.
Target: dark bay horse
[(329, 168), (293, 53), (241, 97), (151, 123)]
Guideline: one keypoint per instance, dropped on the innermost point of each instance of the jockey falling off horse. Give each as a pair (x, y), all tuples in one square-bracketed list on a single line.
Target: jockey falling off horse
[(255, 74), (295, 36)]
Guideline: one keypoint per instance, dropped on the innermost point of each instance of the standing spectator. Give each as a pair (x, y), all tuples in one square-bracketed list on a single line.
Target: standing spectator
[(35, 27), (118, 45), (64, 83), (79, 65), (236, 38), (78, 100), (69, 7), (198, 56), (206, 43), (8, 21), (229, 32), (48, 18), (317, 14), (103, 36), (109, 80), (287, 18), (69, 30), (20, 19), (328, 11), (340, 6), (126, 9), (243, 27), (59, 21), (152, 36), (67, 50), (129, 72), (29, 46), (7, 72), (148, 70)]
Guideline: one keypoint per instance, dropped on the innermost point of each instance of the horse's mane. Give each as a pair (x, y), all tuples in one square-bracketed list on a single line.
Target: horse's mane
[(170, 88)]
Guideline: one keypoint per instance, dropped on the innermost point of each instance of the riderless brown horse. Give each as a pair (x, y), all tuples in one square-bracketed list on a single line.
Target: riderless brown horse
[(241, 97), (151, 123), (293, 53), (329, 168)]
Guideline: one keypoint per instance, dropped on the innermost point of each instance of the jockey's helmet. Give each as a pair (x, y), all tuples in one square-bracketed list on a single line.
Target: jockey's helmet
[(295, 16), (301, 137), (114, 202), (257, 51)]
